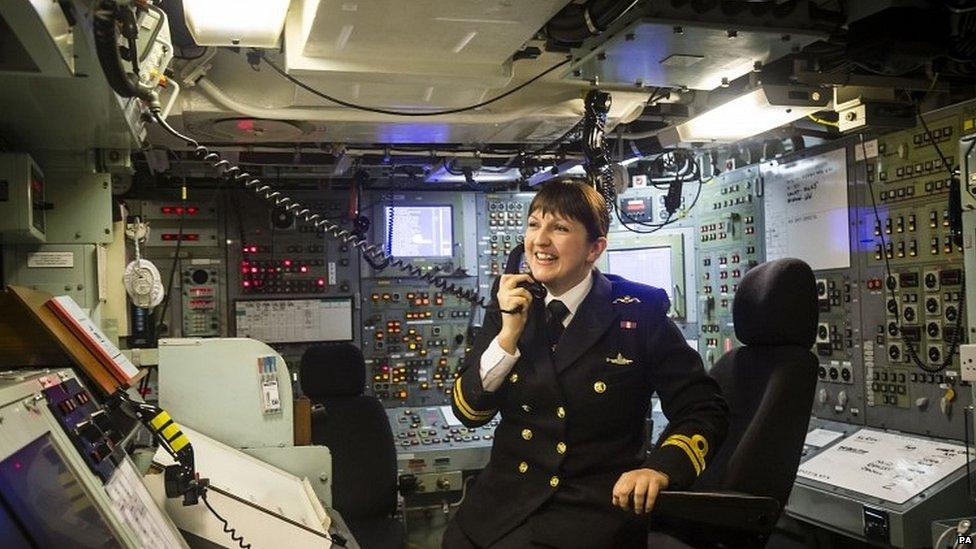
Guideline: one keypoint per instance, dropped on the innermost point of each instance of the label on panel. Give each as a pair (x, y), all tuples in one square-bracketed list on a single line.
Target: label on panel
[(806, 210), (56, 260), (892, 467), (295, 320)]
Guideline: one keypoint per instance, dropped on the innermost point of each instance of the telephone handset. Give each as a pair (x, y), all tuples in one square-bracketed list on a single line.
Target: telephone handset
[(513, 266)]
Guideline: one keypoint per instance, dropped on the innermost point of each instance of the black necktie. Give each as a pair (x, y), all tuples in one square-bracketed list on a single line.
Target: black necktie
[(556, 311)]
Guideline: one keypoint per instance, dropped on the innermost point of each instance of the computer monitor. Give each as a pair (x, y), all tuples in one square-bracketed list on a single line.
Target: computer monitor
[(48, 504), (651, 266), (419, 231)]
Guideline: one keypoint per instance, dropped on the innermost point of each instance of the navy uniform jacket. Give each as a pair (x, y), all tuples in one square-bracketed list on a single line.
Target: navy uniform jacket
[(573, 421)]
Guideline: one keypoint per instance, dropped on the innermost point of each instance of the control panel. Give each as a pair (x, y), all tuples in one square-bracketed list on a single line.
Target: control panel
[(414, 339), (197, 304), (430, 439), (729, 242), (840, 393), (67, 480), (202, 297), (501, 226), (94, 433), (274, 256), (279, 256), (913, 319)]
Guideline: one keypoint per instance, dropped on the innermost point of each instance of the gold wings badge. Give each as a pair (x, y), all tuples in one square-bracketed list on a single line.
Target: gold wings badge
[(620, 360)]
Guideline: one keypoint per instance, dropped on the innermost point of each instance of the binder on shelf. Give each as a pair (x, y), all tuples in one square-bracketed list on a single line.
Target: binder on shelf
[(38, 330), (92, 337)]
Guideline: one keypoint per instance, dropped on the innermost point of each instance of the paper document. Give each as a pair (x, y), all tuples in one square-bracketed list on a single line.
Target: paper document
[(892, 467)]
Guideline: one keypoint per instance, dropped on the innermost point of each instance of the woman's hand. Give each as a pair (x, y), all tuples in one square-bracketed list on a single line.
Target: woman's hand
[(641, 485), (510, 297)]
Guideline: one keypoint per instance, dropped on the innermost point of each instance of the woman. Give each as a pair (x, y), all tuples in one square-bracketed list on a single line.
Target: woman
[(572, 375)]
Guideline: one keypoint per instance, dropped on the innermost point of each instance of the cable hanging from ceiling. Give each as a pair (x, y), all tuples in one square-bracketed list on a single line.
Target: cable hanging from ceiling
[(392, 112)]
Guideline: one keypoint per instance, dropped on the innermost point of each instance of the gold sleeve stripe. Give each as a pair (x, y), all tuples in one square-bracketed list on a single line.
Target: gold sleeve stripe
[(688, 451), (695, 447), (462, 405)]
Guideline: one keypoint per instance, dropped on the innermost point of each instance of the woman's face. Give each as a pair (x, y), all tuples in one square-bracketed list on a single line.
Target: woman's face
[(558, 251)]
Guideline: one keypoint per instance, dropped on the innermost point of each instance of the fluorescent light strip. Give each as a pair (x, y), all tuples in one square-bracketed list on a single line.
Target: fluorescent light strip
[(742, 117), (248, 23)]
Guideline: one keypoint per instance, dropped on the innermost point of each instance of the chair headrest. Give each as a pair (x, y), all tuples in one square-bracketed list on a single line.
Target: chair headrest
[(333, 370), (776, 304)]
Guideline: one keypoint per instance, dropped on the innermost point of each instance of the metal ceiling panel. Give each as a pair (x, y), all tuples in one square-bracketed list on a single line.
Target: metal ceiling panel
[(654, 52)]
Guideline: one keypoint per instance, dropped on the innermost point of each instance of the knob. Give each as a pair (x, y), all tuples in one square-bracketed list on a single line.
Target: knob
[(822, 396), (842, 398), (443, 484), (922, 403)]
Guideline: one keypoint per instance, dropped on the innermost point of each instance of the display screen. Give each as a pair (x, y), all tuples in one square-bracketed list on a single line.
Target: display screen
[(806, 210), (295, 320), (651, 266), (47, 501), (419, 231)]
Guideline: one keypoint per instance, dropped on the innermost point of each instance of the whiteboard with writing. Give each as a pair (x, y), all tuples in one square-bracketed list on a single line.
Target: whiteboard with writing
[(806, 210), (892, 467), (295, 320)]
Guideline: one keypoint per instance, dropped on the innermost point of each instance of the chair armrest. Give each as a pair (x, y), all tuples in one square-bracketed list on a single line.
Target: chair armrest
[(726, 510)]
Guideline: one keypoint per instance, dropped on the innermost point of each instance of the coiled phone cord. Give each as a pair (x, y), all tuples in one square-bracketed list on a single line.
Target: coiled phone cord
[(279, 200)]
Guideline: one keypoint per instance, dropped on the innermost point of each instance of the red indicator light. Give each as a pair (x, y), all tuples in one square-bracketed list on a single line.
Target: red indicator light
[(303, 268), (320, 282), (247, 283), (192, 210), (167, 210), (287, 263)]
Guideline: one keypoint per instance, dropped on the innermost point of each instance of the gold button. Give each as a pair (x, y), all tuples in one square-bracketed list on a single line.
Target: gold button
[(554, 481), (527, 434), (560, 412), (526, 408), (599, 386), (523, 467), (561, 447), (513, 378)]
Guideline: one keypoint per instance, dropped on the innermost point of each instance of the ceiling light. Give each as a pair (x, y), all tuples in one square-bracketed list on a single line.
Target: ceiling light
[(751, 113), (249, 23)]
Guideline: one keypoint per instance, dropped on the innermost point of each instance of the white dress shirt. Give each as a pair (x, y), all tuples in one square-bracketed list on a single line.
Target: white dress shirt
[(496, 362)]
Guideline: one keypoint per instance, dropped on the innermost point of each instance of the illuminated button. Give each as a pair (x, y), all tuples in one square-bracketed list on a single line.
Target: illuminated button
[(561, 448), (527, 434), (600, 387), (560, 412), (554, 481), (523, 467), (513, 378)]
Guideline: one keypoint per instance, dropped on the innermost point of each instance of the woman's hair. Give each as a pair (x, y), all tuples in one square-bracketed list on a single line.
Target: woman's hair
[(576, 200)]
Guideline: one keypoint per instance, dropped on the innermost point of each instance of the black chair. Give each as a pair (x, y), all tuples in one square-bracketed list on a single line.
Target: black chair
[(356, 430), (769, 384)]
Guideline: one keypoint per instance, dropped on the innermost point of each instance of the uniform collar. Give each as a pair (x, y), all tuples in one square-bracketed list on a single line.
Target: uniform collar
[(573, 297)]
